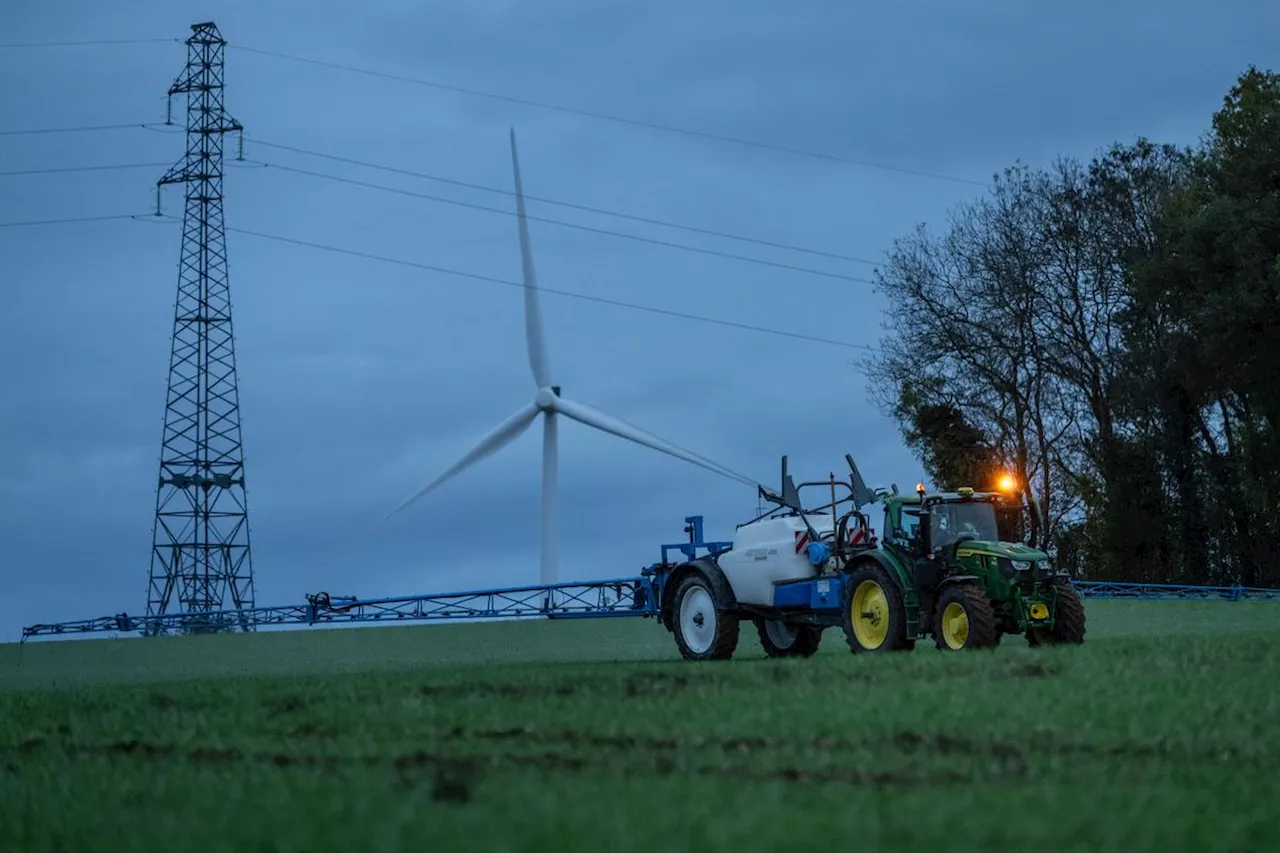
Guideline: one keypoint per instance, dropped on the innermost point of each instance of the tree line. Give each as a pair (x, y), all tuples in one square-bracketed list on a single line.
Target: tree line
[(1109, 332)]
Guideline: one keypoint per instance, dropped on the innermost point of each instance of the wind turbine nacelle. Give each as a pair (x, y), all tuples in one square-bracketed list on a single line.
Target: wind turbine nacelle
[(774, 549)]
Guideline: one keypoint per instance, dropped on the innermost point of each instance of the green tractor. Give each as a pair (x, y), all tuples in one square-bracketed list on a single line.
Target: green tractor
[(941, 571)]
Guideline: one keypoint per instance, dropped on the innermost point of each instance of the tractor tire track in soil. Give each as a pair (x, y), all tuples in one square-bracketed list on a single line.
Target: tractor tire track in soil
[(628, 754), (640, 684), (909, 742), (455, 775), (667, 683)]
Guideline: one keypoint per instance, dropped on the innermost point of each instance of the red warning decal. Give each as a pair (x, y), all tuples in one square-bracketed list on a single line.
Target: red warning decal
[(802, 539)]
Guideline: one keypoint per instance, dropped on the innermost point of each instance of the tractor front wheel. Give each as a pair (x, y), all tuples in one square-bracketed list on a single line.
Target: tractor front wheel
[(703, 630), (1068, 619), (965, 619), (781, 640), (874, 616)]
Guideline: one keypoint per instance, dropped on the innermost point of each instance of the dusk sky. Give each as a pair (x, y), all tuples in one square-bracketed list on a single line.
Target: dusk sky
[(361, 380)]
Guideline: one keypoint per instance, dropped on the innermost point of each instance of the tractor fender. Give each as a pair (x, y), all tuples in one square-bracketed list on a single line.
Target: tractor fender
[(720, 587), (890, 567)]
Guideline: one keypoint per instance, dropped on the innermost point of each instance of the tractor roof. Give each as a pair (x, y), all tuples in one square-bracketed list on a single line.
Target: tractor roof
[(959, 496)]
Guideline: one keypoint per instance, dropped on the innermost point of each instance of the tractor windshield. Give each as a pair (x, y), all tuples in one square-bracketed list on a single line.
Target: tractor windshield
[(974, 518)]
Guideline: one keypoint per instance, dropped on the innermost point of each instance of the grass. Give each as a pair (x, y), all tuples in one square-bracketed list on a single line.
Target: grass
[(1157, 734)]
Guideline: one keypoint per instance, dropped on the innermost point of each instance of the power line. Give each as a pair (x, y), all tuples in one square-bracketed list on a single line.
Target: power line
[(606, 116), (83, 169), (82, 128), (484, 188), (86, 42), (651, 125), (586, 208), (122, 166), (683, 315), (566, 293), (33, 222), (588, 228)]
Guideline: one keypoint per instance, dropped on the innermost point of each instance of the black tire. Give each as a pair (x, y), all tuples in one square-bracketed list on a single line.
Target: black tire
[(696, 596), (780, 640), (1068, 623), (885, 608), (965, 619)]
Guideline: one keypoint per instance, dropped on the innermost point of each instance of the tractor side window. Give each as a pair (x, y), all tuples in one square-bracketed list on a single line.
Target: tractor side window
[(909, 525), (943, 530)]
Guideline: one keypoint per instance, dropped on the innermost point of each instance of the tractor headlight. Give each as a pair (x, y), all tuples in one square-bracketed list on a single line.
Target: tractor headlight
[(1021, 565)]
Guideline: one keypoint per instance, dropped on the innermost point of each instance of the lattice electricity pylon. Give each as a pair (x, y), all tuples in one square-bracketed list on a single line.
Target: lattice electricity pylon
[(200, 543)]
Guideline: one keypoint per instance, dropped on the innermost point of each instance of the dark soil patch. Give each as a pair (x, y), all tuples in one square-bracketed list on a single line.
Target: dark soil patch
[(451, 789), (641, 684), (287, 705), (213, 756), (502, 691), (312, 729), (128, 747)]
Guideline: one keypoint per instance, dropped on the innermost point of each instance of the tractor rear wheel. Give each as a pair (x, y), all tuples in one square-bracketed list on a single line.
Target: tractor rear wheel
[(965, 619), (1068, 620), (874, 616), (781, 640), (703, 630)]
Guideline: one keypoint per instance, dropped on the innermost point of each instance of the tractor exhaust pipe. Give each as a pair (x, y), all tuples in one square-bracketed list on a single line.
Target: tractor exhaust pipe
[(926, 525)]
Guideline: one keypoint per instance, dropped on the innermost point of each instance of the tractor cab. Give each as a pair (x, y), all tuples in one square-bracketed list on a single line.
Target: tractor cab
[(931, 526)]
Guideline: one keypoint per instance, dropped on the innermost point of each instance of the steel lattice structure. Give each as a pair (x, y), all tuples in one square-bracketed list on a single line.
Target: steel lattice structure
[(200, 545)]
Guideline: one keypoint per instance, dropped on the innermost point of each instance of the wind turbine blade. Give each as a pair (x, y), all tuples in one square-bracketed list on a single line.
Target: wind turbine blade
[(538, 358), (728, 472), (506, 432), (594, 417), (549, 465)]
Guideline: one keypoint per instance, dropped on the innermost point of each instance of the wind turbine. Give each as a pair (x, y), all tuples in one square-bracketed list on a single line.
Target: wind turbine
[(549, 403)]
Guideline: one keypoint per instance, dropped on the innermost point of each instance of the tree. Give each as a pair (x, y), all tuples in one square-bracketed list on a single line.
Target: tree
[(953, 451), (1110, 331), (965, 347), (1203, 343), (1100, 218)]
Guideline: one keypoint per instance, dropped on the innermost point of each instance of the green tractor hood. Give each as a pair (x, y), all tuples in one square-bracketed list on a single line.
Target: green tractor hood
[(1010, 550)]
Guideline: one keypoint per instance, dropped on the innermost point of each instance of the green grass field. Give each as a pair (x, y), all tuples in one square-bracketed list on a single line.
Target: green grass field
[(1158, 734)]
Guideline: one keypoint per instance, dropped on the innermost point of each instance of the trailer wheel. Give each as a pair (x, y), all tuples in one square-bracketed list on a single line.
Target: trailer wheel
[(965, 619), (703, 630), (781, 640), (1068, 622), (874, 616)]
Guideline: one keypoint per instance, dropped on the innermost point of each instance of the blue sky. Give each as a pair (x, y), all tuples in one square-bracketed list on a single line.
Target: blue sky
[(359, 381)]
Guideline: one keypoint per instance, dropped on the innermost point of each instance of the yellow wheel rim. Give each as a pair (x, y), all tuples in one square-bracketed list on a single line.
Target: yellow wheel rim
[(869, 613), (955, 625)]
